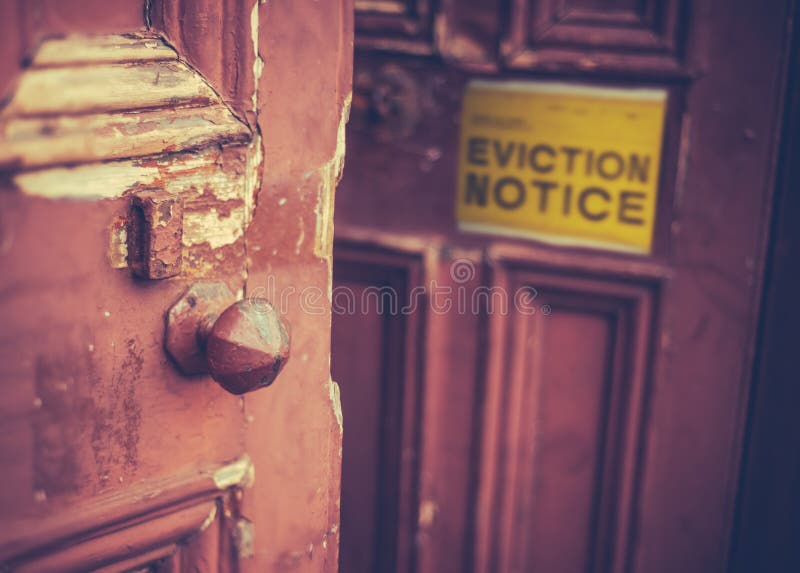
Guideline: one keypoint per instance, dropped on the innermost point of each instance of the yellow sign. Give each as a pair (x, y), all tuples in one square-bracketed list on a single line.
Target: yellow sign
[(567, 164)]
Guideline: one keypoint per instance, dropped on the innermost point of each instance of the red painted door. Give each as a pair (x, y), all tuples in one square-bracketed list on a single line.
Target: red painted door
[(167, 171), (602, 432)]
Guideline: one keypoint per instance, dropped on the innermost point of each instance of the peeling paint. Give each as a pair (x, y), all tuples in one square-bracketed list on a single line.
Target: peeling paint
[(212, 515), (218, 203), (76, 48), (213, 228), (258, 62), (84, 182), (255, 159), (244, 538), (118, 244), (82, 89), (336, 402), (161, 126), (34, 142), (293, 559), (331, 173), (301, 237), (241, 473)]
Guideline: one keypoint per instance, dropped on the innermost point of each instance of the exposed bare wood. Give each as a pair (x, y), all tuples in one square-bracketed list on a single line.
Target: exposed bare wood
[(84, 89), (35, 142), (63, 111), (66, 135), (238, 473), (76, 49)]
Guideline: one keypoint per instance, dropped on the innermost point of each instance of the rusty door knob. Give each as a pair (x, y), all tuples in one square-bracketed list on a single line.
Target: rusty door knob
[(243, 345)]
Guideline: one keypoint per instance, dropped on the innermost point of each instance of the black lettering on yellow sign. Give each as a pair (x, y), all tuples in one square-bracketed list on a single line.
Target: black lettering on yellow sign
[(565, 164), (543, 158), (592, 203)]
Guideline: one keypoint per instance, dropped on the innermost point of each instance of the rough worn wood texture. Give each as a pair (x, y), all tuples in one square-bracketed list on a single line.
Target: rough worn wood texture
[(28, 22), (97, 137), (64, 112), (162, 123), (90, 403), (98, 429), (110, 48)]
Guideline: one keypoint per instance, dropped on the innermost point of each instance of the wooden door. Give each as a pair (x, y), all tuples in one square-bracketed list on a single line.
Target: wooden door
[(602, 432), (160, 161)]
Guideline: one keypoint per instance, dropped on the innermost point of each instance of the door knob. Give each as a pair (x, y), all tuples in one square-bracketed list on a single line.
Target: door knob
[(242, 344)]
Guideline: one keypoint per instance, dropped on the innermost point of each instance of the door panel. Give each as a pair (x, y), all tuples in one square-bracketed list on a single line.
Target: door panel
[(183, 539), (638, 39), (91, 401), (381, 403), (566, 390)]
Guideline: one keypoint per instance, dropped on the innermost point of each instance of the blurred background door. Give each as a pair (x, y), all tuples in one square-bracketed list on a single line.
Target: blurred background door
[(602, 432), (137, 173)]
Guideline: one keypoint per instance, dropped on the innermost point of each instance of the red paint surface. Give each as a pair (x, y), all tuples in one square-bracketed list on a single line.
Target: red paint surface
[(107, 450)]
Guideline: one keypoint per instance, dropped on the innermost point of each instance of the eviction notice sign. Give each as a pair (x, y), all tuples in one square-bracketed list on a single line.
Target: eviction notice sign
[(567, 164)]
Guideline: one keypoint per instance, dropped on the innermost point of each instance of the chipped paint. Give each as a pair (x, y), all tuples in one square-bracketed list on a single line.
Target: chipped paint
[(255, 160), (336, 402), (218, 204), (291, 559), (83, 89), (427, 513), (243, 534), (85, 182), (80, 49), (162, 126), (331, 173), (301, 237), (118, 244), (44, 141), (212, 515), (239, 473), (213, 228), (258, 61)]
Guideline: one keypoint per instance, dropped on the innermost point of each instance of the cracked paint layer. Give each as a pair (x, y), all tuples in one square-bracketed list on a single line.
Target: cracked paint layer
[(331, 173), (239, 473), (162, 126), (212, 515), (258, 61)]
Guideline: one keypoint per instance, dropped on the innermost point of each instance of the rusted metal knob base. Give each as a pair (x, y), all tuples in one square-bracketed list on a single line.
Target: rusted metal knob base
[(243, 345)]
